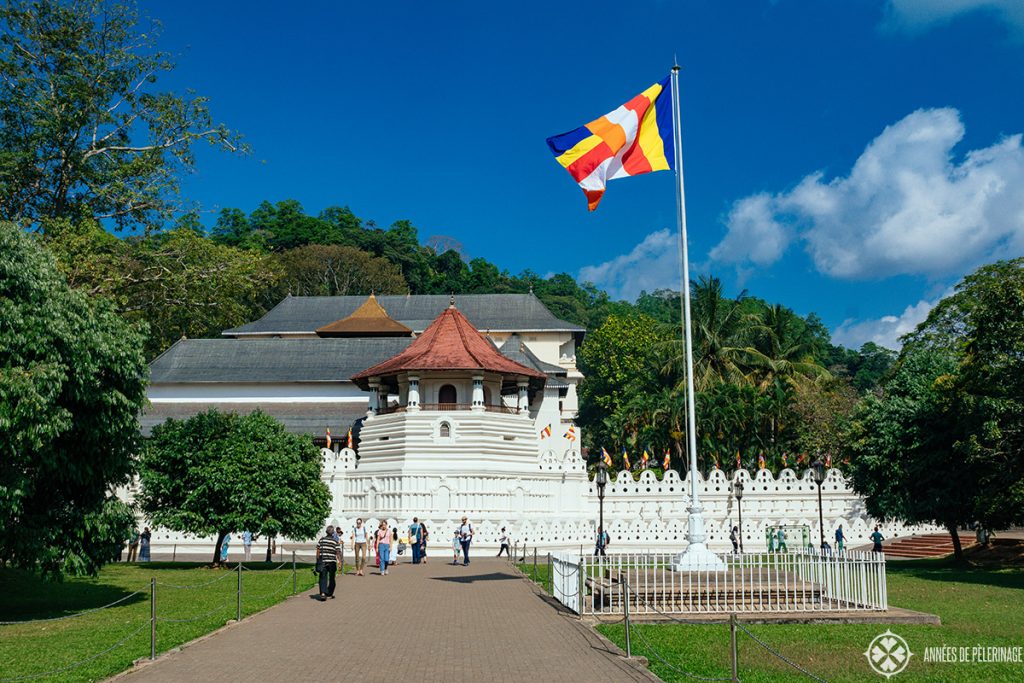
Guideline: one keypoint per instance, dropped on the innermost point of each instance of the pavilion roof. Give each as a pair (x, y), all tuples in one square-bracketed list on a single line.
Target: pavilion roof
[(369, 320), (451, 342)]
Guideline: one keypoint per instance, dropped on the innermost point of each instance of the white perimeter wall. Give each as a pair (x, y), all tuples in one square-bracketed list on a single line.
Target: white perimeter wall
[(557, 508)]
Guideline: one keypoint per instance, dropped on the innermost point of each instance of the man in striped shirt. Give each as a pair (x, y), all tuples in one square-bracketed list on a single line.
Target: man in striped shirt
[(328, 556)]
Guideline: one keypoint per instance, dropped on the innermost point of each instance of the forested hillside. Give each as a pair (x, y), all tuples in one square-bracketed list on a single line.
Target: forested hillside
[(769, 380)]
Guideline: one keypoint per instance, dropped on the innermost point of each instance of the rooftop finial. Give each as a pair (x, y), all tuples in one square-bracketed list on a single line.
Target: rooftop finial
[(451, 301), (531, 288)]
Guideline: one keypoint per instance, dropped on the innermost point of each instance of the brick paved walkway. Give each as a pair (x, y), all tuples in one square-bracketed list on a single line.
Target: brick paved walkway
[(434, 622)]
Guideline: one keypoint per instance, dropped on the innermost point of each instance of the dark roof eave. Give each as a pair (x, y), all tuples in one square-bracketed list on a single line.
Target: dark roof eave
[(237, 331)]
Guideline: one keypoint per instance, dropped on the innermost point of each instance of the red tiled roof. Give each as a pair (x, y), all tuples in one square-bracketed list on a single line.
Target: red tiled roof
[(449, 343)]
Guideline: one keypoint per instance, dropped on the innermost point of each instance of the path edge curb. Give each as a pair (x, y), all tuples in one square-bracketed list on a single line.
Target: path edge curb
[(139, 665), (638, 662)]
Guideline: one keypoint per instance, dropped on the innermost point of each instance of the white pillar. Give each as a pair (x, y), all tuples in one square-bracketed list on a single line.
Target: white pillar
[(412, 403), (478, 393), (524, 397), (374, 399)]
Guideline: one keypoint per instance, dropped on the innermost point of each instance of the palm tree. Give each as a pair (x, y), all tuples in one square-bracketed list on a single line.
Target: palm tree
[(782, 349), (719, 329), (781, 358)]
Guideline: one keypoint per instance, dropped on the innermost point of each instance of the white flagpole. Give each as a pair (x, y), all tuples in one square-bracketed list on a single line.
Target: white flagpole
[(696, 557)]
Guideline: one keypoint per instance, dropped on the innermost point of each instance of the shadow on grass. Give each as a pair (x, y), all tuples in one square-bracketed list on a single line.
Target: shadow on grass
[(25, 596), (947, 569)]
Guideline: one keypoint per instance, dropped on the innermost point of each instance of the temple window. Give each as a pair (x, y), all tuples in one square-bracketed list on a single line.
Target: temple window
[(447, 394)]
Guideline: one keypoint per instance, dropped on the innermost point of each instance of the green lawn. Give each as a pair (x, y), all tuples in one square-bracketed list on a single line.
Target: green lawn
[(31, 648), (977, 606)]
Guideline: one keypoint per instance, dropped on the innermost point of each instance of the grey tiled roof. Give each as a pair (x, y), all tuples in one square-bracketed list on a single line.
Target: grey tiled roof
[(487, 312), (298, 418), (272, 360), (516, 349)]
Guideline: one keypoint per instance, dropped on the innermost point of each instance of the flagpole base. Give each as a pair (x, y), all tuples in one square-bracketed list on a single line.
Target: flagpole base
[(697, 558)]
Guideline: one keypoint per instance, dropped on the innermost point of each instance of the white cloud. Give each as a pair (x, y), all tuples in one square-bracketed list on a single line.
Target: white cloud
[(884, 331), (906, 207), (915, 16), (754, 234), (652, 264)]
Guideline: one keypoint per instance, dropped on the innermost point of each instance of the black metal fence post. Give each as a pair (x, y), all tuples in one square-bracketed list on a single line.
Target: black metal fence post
[(732, 648), (238, 597), (625, 606), (152, 619)]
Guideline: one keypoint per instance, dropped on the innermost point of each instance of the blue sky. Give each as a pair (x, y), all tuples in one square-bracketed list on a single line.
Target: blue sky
[(854, 159)]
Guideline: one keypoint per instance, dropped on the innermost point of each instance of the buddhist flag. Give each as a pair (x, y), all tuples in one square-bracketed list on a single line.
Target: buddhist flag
[(607, 458), (571, 434), (760, 461), (739, 462), (349, 438), (636, 138), (784, 462), (828, 460), (800, 459), (668, 460), (546, 432), (328, 437), (625, 459), (715, 456), (643, 460)]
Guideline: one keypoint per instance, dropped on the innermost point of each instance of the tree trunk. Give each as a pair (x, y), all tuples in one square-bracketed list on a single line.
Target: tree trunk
[(958, 550), (269, 558), (216, 548)]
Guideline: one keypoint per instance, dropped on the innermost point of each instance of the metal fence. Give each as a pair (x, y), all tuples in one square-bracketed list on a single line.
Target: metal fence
[(751, 583)]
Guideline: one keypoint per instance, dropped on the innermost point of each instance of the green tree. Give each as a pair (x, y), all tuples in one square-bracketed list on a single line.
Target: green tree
[(983, 323), (84, 133), (215, 473), (333, 270), (72, 383), (720, 329), (177, 282), (905, 447), (822, 411), (616, 361)]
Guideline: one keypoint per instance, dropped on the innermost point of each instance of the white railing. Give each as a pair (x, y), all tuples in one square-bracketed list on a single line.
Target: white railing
[(566, 586), (751, 583)]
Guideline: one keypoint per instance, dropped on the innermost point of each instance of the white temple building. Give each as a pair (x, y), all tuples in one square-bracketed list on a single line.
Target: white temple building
[(462, 406)]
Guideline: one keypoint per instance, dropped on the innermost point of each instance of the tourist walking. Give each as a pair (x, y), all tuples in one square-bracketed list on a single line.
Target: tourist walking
[(456, 547), (247, 545), (224, 548), (782, 541), (359, 539), (424, 536), (394, 545), (771, 539), (840, 540), (877, 539), (328, 558), (383, 548), (603, 539), (465, 538), (505, 543), (734, 536), (133, 545), (144, 539), (415, 538)]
